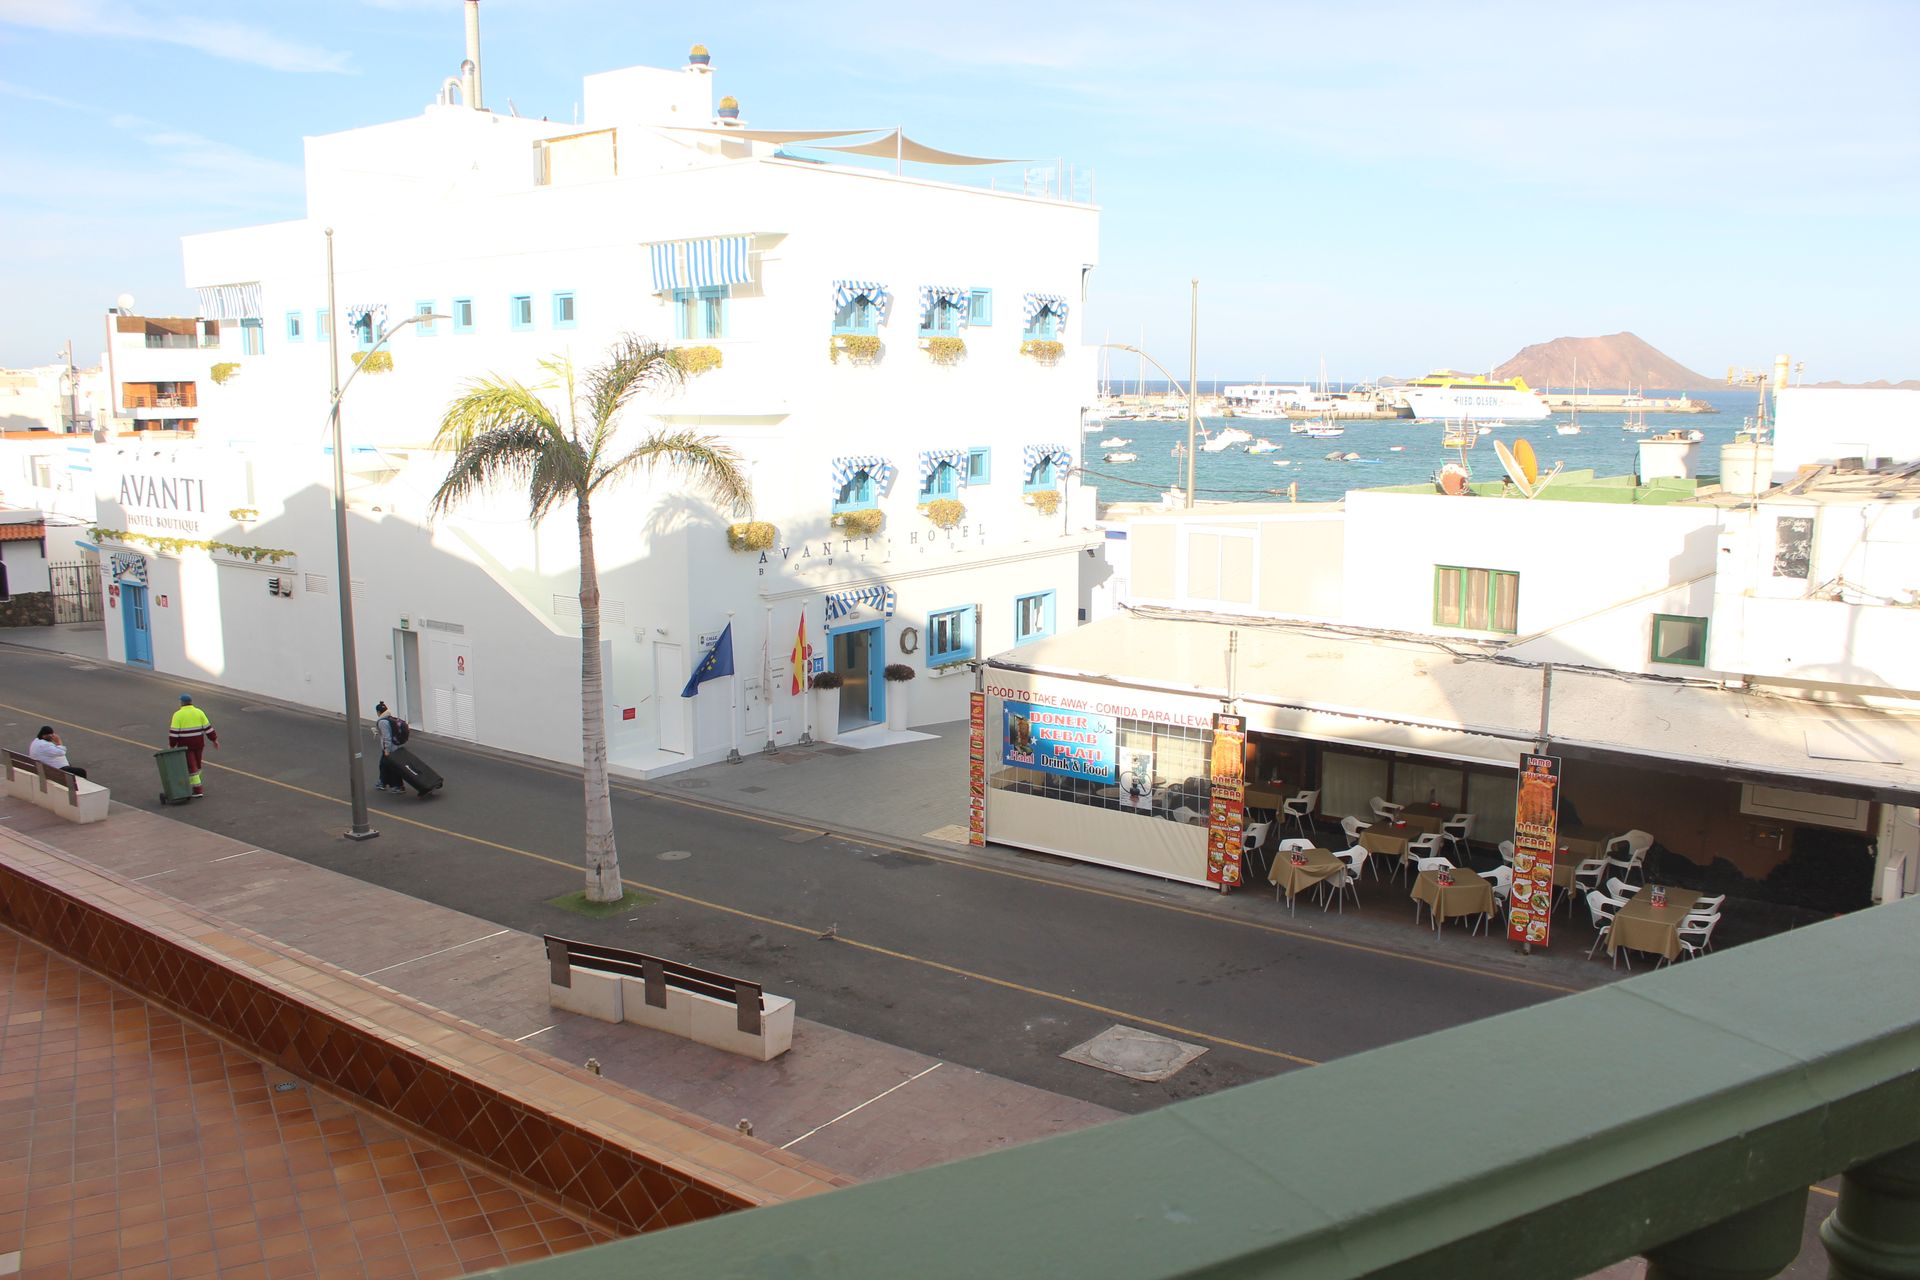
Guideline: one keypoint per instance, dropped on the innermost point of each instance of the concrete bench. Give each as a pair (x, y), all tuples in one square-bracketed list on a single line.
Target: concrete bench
[(696, 1004), (55, 790)]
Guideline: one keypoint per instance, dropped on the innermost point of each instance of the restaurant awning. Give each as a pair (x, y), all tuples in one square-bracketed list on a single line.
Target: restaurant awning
[(1429, 697), (230, 301)]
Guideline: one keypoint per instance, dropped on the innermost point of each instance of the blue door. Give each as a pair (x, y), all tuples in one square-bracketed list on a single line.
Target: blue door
[(859, 655), (133, 616)]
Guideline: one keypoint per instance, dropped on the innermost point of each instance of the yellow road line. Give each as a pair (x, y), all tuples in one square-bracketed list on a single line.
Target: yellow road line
[(769, 921)]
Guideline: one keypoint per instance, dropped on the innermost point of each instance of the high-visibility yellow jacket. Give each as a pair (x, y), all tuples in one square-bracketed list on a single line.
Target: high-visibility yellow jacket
[(191, 728)]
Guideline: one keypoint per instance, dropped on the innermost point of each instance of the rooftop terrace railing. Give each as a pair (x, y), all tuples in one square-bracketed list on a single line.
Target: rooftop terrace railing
[(1681, 1114)]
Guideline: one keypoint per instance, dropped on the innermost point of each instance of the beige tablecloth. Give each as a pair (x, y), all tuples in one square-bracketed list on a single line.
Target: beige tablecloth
[(1420, 822), (1383, 844), (1292, 878), (1468, 895), (1583, 842), (1266, 797), (1641, 928)]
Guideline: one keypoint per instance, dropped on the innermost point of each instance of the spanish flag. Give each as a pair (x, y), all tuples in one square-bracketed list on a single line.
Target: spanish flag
[(802, 651)]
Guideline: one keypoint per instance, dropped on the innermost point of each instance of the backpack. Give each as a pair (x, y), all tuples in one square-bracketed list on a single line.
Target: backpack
[(399, 729)]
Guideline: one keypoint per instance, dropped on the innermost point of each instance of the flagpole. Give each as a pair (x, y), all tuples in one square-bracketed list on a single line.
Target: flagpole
[(733, 705), (766, 677)]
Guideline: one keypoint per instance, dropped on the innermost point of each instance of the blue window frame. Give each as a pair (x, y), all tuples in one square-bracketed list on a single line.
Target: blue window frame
[(1032, 617), (363, 332), (979, 308), (702, 312), (860, 315), (1044, 324), (564, 316), (1044, 476), (424, 327), (942, 320), (463, 315), (979, 466), (856, 494), (942, 482), (952, 635), (520, 313), (253, 337), (296, 324), (322, 325)]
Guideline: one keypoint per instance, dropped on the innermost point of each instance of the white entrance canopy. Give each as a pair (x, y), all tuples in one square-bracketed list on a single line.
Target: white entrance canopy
[(1431, 697)]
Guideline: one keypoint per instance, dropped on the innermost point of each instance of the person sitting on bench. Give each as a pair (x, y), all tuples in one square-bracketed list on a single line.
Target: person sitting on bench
[(48, 750)]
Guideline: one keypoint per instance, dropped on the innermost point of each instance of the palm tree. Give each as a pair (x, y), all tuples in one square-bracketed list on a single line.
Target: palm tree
[(502, 432)]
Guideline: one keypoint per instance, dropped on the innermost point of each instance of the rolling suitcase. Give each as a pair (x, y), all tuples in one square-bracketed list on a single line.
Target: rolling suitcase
[(420, 777)]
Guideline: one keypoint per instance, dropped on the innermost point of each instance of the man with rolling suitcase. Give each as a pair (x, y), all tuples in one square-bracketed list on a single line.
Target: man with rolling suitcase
[(399, 767)]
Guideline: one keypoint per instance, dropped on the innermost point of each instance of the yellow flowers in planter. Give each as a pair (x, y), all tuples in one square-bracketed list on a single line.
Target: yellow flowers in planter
[(944, 512), (224, 370), (860, 348), (374, 361), (1045, 501), (865, 522), (694, 361), (946, 350), (754, 535), (1045, 350)]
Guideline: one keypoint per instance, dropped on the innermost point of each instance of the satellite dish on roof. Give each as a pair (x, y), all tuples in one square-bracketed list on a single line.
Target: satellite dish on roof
[(1523, 454), (1453, 479), (1522, 468)]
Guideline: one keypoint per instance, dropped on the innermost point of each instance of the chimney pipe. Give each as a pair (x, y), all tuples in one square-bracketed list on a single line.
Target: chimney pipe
[(473, 55)]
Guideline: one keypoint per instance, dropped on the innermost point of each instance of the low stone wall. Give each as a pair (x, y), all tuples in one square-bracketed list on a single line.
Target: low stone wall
[(27, 609), (611, 1155)]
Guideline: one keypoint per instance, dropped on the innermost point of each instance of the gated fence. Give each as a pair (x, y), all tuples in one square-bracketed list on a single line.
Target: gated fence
[(76, 591)]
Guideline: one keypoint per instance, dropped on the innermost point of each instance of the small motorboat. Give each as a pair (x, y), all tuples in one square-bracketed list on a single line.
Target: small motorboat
[(1337, 456), (1567, 429), (1120, 457), (1224, 439), (1263, 445), (1283, 462), (1115, 442), (1396, 448)]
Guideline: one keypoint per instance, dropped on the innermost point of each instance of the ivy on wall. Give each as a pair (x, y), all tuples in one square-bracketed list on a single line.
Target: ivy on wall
[(174, 546)]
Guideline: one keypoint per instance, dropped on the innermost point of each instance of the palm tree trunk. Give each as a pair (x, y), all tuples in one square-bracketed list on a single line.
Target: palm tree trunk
[(603, 860)]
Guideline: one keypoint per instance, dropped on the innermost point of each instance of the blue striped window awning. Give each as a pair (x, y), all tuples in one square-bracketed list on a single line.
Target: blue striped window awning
[(1032, 455), (375, 311), (933, 294), (1038, 302), (700, 264), (930, 460), (230, 301), (845, 469), (841, 603), (127, 566), (845, 291)]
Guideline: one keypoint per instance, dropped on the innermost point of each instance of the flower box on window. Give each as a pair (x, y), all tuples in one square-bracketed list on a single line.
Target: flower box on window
[(866, 522), (945, 513), (223, 371), (694, 361), (1045, 501), (754, 535), (1044, 350), (945, 350), (374, 361), (858, 348)]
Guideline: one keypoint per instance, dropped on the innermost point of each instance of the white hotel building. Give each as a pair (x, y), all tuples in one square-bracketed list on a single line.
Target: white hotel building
[(883, 340)]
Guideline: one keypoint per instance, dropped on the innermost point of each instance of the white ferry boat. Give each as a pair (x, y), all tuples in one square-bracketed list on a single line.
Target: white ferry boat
[(1443, 397)]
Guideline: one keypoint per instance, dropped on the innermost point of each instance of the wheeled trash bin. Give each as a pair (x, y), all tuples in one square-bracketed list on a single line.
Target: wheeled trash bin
[(174, 786)]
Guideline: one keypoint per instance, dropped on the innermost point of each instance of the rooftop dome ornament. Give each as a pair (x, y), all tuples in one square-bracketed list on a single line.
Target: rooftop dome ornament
[(729, 111), (699, 57)]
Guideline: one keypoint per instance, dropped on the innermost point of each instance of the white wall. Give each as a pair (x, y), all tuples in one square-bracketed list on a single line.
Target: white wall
[(1592, 575), (1814, 425)]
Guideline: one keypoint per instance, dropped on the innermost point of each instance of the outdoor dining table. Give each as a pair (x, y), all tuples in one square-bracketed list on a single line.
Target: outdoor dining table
[(1291, 876), (1582, 843), (1419, 822), (1468, 895), (1641, 926), (1383, 844)]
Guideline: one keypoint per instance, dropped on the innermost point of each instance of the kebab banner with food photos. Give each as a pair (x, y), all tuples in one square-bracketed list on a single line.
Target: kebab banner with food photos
[(1536, 831)]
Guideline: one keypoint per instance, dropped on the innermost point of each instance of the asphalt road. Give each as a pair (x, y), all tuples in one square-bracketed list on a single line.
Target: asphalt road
[(993, 960)]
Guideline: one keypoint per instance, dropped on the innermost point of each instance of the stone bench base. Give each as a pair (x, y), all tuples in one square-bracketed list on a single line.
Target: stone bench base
[(54, 799), (689, 1015)]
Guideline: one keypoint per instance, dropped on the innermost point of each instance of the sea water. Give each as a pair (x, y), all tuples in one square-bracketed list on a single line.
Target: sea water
[(1233, 475)]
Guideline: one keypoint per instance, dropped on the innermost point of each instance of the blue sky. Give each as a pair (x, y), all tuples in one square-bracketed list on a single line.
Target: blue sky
[(1388, 186)]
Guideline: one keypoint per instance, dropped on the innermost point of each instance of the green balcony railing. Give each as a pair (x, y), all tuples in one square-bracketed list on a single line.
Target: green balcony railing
[(1681, 1114)]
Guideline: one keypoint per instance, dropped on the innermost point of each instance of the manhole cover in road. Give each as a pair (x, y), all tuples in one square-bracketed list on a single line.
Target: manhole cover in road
[(1136, 1054), (674, 855)]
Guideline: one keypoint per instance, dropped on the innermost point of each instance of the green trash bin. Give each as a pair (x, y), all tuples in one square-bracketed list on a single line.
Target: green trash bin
[(174, 786)]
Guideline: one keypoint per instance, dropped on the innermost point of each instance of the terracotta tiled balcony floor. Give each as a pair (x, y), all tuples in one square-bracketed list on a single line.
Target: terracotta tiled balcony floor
[(133, 1144)]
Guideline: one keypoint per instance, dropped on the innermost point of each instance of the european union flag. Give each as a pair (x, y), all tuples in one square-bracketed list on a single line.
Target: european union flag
[(717, 663)]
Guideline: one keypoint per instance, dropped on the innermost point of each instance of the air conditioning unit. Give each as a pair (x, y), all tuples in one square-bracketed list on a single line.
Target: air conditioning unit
[(280, 586)]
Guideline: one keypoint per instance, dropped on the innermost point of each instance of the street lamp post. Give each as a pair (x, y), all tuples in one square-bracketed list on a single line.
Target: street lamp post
[(349, 661), (1175, 383)]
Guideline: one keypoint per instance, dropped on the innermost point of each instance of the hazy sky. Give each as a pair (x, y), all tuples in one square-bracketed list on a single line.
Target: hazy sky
[(1390, 187)]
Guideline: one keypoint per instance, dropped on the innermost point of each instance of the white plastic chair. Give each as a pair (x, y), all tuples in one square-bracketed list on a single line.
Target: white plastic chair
[(1300, 810), (1254, 836), (1385, 809), (1426, 846), (1620, 889), (1501, 878), (1586, 876), (1352, 827), (1349, 877), (1284, 848), (1506, 852), (1457, 830), (1603, 909), (1695, 935), (1631, 854), (1712, 904)]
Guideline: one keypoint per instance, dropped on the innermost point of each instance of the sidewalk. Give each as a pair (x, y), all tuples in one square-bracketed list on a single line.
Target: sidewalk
[(853, 1104), (86, 640)]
